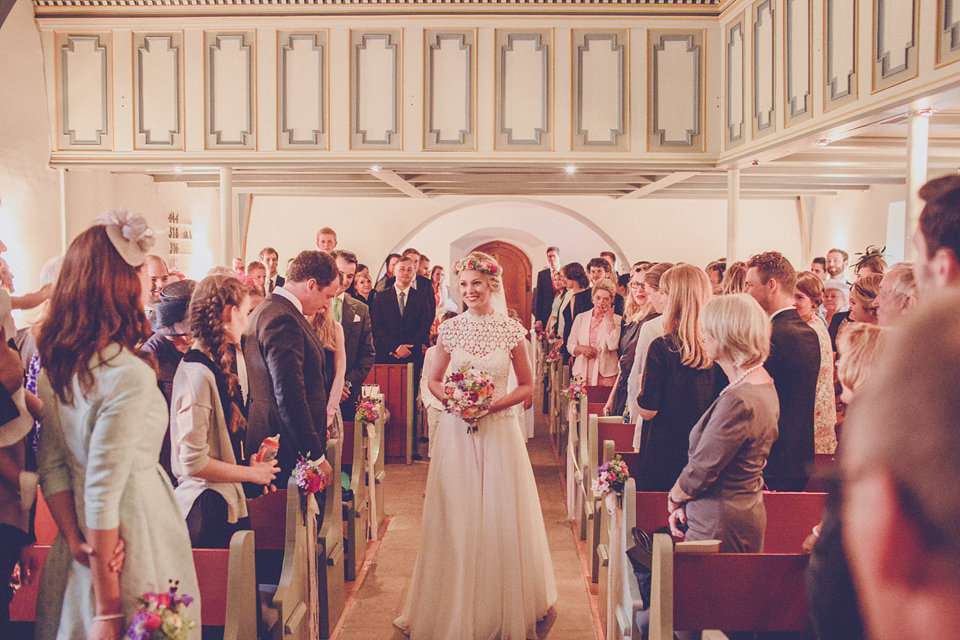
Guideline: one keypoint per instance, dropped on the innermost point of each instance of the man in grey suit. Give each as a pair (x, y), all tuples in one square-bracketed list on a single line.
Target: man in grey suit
[(285, 365), (357, 334)]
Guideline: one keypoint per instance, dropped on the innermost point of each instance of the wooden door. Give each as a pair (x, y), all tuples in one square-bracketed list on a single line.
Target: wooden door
[(517, 276)]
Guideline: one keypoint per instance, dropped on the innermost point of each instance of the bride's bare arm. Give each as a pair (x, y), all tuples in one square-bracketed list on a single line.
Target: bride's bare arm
[(438, 367), (521, 367)]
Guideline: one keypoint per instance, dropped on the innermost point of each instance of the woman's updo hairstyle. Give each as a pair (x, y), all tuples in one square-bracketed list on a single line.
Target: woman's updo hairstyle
[(205, 316), (483, 263)]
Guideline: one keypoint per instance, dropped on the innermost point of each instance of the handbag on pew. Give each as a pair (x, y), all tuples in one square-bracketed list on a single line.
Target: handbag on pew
[(640, 554)]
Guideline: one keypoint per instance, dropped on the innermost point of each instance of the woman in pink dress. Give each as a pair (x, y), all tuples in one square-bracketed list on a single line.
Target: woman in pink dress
[(594, 339)]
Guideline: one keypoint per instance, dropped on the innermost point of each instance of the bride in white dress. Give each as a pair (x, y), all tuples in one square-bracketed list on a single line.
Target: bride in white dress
[(483, 569)]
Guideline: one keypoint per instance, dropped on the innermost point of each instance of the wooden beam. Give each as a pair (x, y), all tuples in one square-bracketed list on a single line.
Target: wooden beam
[(398, 183), (673, 178)]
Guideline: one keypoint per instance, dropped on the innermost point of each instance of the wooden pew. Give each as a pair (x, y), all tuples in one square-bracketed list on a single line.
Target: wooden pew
[(597, 394), (375, 464), (727, 591), (596, 426), (355, 510), (397, 385), (329, 550), (574, 465)]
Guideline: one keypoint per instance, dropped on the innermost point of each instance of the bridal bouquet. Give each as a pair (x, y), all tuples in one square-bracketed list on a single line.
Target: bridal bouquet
[(468, 393), (367, 411), (161, 616), (611, 476), (309, 477)]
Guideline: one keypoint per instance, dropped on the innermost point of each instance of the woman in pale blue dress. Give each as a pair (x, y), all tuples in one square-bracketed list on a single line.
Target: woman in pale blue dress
[(103, 424)]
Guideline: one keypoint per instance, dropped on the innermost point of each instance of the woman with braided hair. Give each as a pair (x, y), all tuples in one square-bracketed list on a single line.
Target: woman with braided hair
[(483, 570), (207, 423)]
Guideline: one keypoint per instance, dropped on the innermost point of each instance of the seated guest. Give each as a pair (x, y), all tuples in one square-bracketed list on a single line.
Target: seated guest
[(835, 294), (594, 338), (680, 381), (733, 278), (834, 614), (870, 261), (897, 294), (363, 287), (207, 423), (168, 344), (808, 296), (719, 493), (651, 330)]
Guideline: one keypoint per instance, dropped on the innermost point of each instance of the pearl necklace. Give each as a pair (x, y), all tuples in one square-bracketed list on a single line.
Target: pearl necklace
[(740, 379)]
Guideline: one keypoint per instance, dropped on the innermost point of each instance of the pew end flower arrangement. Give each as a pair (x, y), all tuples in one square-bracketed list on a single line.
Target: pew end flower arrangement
[(611, 476), (367, 410), (576, 391), (161, 616), (468, 393)]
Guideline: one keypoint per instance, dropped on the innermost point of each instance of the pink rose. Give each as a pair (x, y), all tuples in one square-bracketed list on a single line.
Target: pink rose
[(152, 622)]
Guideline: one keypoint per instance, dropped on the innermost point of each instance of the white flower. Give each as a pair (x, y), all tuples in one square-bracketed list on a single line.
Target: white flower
[(133, 227)]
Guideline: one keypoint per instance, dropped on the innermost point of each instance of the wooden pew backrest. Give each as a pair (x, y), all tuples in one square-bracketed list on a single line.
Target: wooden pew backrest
[(396, 383), (615, 430), (268, 515), (597, 394)]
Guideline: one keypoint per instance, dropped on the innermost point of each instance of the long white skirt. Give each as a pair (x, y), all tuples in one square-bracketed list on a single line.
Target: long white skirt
[(483, 569)]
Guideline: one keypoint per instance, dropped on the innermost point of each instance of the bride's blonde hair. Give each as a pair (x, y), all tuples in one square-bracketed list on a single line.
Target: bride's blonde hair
[(483, 263)]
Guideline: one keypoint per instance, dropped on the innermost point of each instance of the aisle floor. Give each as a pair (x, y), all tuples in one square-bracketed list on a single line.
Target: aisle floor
[(381, 591)]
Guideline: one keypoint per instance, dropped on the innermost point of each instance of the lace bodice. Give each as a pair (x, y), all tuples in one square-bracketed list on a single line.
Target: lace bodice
[(483, 342)]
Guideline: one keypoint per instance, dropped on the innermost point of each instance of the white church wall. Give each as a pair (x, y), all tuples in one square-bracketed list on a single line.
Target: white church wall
[(853, 220)]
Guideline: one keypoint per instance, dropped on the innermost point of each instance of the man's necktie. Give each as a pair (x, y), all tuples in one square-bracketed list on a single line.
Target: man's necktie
[(336, 309), (403, 301)]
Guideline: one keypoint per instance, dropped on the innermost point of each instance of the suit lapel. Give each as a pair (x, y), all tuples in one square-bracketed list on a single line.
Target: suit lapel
[(301, 319)]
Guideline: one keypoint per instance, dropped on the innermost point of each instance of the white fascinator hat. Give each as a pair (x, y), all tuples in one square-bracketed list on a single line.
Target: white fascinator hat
[(129, 234)]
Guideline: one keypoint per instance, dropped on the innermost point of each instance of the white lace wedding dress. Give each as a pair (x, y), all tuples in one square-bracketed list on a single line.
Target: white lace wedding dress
[(483, 570)]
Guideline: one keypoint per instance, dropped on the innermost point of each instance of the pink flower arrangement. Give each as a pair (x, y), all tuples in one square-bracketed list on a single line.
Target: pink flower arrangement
[(367, 411), (309, 477), (611, 476), (576, 391), (161, 616), (468, 393), (554, 354), (472, 264)]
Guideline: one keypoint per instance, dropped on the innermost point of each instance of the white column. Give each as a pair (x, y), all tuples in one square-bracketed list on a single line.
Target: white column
[(733, 214), (226, 216), (63, 210), (918, 130)]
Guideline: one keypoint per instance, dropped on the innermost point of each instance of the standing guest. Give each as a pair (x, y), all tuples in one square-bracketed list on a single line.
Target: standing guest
[(623, 286), (326, 240), (897, 294), (937, 238), (159, 276), (238, 268), (423, 267), (651, 329), (611, 259), (594, 338), (577, 288), (257, 274), (363, 287), (719, 493), (103, 421), (560, 290), (207, 422), (354, 317), (870, 261), (168, 343), (807, 298), (271, 259), (637, 310), (401, 319), (285, 365), (715, 271), (330, 333), (680, 381), (837, 264), (546, 287), (835, 307), (733, 278), (599, 268), (419, 282), (441, 292), (388, 271), (863, 295), (819, 268), (794, 364)]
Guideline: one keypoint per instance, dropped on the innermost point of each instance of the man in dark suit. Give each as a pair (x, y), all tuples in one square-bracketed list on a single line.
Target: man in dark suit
[(794, 364), (545, 291), (270, 259), (354, 316), (401, 320), (419, 282), (285, 365)]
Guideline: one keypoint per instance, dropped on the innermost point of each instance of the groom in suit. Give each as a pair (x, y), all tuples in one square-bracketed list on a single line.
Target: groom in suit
[(285, 365), (354, 316), (401, 320), (794, 365)]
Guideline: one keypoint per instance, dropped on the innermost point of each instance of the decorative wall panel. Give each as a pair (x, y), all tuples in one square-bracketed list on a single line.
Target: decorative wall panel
[(839, 53), (84, 68), (523, 90), (229, 61), (895, 41), (375, 89), (735, 114), (764, 74), (798, 60), (158, 90), (675, 112), (948, 31), (601, 89), (302, 89), (450, 89)]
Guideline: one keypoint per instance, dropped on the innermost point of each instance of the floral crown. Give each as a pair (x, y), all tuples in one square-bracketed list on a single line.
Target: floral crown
[(474, 264)]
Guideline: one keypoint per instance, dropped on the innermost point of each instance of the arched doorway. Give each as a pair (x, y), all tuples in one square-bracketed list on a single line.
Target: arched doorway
[(517, 276)]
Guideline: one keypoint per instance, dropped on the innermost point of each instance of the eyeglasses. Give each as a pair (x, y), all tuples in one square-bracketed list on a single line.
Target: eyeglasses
[(636, 285)]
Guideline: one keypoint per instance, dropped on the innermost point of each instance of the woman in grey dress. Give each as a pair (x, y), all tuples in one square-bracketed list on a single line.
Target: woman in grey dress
[(719, 492), (104, 420)]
